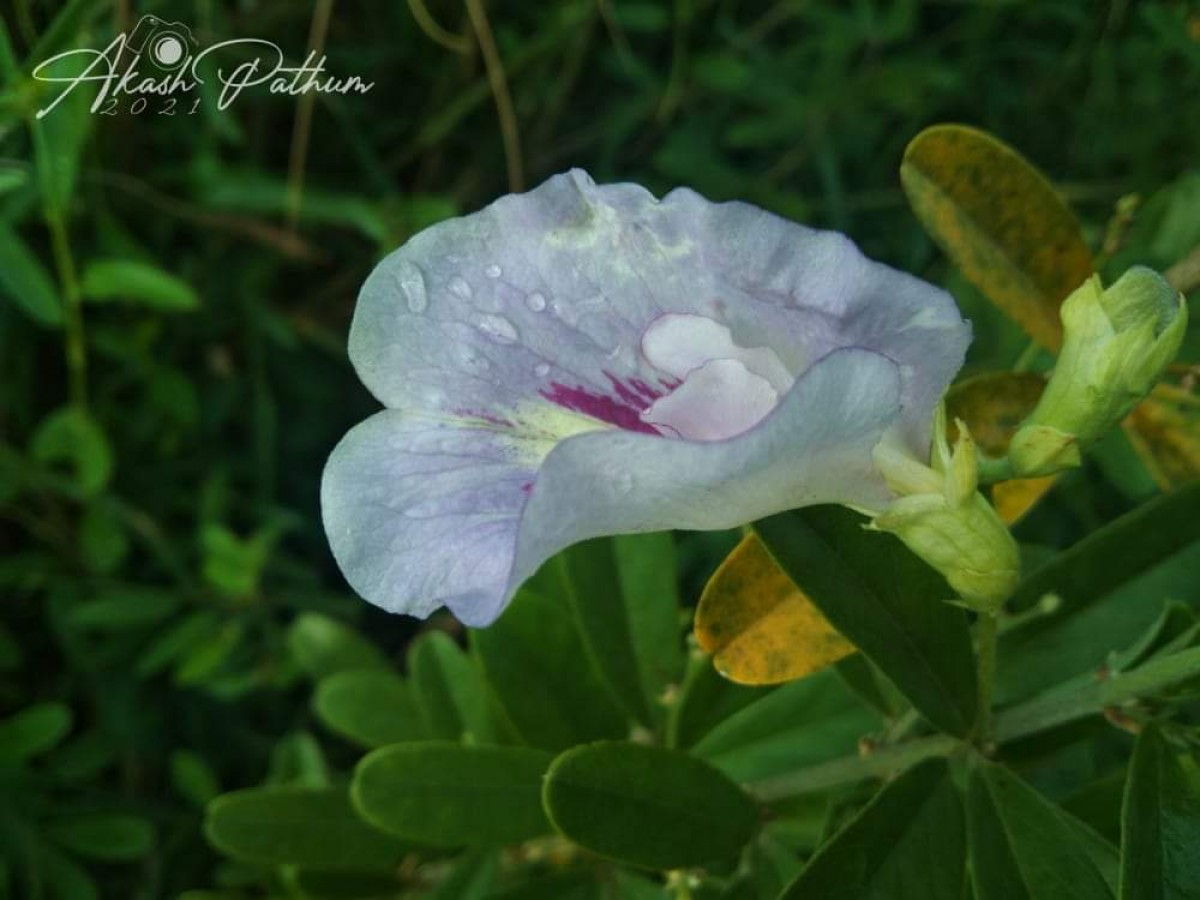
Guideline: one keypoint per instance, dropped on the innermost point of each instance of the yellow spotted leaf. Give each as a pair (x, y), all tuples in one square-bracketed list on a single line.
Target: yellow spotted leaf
[(1165, 430), (993, 406), (1000, 221), (1013, 499), (759, 627)]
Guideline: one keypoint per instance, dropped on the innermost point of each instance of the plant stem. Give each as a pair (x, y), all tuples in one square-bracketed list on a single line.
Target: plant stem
[(986, 630), (1036, 715), (1058, 708), (76, 344), (850, 769)]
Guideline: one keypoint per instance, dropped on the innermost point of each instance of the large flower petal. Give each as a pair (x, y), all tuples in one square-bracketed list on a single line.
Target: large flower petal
[(423, 513), (549, 293), (508, 346)]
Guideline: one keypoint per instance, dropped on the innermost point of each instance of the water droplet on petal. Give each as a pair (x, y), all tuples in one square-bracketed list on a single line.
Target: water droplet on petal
[(460, 288), (498, 328), (536, 301), (622, 481), (493, 271), (541, 370), (412, 285)]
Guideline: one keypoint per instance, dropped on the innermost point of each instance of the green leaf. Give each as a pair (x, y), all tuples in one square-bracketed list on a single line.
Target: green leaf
[(647, 569), (128, 607), (58, 144), (108, 837), (371, 708), (103, 542), (648, 806), (71, 435), (1115, 553), (445, 794), (535, 663), (322, 646), (1108, 586), (33, 731), (706, 700), (1160, 825), (449, 691), (193, 778), (233, 564), (25, 281), (66, 879), (1025, 848), (1001, 222), (800, 724), (127, 279), (889, 604), (906, 844), (318, 829), (617, 626)]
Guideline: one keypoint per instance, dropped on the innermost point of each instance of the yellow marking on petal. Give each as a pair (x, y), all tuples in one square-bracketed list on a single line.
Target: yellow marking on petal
[(759, 627)]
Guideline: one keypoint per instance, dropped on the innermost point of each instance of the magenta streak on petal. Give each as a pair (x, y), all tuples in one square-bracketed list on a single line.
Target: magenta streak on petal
[(601, 406)]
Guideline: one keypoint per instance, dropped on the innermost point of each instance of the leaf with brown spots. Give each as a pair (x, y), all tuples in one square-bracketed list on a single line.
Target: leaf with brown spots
[(1165, 430), (1001, 222), (759, 627), (993, 406)]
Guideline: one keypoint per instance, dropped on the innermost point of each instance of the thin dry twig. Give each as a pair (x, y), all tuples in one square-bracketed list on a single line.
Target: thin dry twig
[(499, 84)]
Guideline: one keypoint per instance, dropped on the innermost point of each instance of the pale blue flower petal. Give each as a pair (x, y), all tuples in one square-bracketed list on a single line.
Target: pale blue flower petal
[(507, 346)]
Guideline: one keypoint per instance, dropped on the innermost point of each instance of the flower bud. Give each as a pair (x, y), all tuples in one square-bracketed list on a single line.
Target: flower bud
[(949, 524), (1117, 343)]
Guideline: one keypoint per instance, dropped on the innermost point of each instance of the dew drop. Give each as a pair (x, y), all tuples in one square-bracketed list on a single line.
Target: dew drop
[(536, 301), (460, 288), (622, 482), (541, 370), (412, 285), (493, 271), (498, 328)]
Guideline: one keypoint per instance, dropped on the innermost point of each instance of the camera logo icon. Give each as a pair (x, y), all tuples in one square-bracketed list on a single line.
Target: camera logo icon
[(167, 44)]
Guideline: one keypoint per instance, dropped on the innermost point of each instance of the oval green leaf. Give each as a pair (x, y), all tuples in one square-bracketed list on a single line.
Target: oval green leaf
[(536, 664), (110, 837), (322, 646), (1160, 825), (318, 829), (26, 282), (445, 794), (1023, 847), (371, 708), (888, 603), (33, 730), (648, 806), (906, 844), (449, 691), (1001, 222), (127, 279)]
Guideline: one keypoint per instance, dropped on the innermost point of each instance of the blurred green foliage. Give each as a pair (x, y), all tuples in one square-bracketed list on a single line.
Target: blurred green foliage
[(174, 296)]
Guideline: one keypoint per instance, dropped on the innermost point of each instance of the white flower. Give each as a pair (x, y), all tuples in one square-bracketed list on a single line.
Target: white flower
[(587, 360)]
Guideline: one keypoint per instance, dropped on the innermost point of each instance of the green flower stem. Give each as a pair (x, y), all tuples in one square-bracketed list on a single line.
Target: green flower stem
[(1036, 715), (986, 629), (993, 470)]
